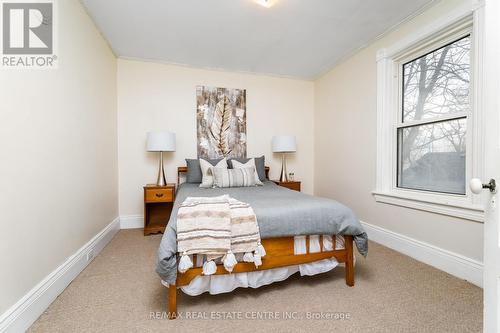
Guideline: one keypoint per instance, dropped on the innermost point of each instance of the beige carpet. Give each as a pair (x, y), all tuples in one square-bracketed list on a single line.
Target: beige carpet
[(393, 293)]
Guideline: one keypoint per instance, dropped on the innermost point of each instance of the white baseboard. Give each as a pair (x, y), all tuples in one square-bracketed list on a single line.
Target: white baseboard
[(24, 313), (131, 221), (455, 264)]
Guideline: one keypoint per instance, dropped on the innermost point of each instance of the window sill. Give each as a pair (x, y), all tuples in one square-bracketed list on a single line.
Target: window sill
[(463, 210)]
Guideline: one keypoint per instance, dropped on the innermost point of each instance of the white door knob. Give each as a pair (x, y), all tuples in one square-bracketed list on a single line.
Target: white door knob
[(476, 186)]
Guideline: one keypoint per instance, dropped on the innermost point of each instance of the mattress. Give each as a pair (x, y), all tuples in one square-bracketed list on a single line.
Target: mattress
[(280, 212)]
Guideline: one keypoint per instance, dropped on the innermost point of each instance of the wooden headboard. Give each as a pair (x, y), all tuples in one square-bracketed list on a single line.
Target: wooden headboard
[(184, 169)]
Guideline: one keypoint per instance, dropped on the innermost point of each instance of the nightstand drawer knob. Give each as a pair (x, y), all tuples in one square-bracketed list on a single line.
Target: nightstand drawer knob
[(159, 195)]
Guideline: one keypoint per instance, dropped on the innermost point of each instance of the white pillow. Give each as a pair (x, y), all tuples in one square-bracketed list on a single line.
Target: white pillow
[(236, 177), (249, 164), (207, 179)]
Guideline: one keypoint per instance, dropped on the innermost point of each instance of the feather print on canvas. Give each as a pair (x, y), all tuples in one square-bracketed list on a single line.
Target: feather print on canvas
[(219, 129), (221, 122)]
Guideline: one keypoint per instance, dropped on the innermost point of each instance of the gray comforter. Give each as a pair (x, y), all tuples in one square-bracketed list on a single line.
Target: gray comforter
[(280, 213)]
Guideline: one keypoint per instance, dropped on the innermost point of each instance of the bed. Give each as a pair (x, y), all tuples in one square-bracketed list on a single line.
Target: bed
[(286, 219)]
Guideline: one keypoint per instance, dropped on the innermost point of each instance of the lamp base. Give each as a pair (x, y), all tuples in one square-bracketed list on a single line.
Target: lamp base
[(284, 173), (161, 180)]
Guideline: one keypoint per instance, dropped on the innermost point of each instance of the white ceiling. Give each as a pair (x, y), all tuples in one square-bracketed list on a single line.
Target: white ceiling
[(296, 38)]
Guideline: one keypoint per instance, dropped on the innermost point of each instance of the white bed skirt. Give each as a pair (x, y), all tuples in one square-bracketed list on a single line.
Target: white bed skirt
[(217, 284)]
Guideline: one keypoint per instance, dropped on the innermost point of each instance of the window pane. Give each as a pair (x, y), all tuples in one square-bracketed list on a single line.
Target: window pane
[(437, 84), (432, 156)]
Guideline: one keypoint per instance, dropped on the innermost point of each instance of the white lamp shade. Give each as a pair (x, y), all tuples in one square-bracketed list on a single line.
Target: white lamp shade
[(161, 141), (284, 144)]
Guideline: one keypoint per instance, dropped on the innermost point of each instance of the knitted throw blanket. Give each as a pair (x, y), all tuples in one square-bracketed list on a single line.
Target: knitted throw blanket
[(217, 227)]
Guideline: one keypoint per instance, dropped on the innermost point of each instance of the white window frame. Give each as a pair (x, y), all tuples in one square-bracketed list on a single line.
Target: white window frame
[(464, 20)]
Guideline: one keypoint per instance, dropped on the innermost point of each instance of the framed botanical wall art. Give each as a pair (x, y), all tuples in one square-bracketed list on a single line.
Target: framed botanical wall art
[(221, 122)]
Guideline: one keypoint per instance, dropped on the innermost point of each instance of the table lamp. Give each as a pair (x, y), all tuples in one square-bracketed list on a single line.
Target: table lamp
[(160, 142), (284, 144)]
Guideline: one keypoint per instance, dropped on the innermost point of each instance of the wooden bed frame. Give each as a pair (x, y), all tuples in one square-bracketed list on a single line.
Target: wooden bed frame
[(279, 253)]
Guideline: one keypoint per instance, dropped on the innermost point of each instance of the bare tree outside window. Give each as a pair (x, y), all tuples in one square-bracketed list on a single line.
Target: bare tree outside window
[(432, 133)]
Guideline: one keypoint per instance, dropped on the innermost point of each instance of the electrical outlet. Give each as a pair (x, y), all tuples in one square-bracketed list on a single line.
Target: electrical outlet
[(90, 255)]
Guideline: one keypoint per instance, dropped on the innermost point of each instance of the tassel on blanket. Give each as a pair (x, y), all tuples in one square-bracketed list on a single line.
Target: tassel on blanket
[(229, 261), (261, 250), (248, 257), (257, 259), (185, 263), (209, 267)]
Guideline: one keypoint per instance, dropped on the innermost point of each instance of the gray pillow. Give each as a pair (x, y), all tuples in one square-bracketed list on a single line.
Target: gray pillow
[(194, 170), (260, 165)]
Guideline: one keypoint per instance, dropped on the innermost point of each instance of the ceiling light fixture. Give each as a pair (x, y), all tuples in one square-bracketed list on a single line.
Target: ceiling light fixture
[(266, 3)]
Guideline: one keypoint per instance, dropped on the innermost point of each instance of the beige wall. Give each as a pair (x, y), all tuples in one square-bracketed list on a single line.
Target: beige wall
[(345, 149), (58, 146), (154, 96)]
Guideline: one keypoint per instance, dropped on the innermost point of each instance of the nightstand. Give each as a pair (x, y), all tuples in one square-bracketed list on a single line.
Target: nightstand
[(292, 185), (158, 203)]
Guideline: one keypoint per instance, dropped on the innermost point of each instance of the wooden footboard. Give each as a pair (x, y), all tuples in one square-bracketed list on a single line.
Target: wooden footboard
[(280, 253)]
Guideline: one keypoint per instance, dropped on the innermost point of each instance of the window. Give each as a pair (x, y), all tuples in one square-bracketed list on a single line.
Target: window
[(434, 107), (429, 120)]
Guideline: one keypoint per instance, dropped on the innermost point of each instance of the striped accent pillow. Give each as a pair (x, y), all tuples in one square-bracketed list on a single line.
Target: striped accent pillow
[(243, 177)]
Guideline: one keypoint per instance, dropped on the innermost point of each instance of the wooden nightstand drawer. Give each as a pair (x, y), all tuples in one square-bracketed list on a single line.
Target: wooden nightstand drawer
[(159, 195), (292, 185), (158, 204)]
